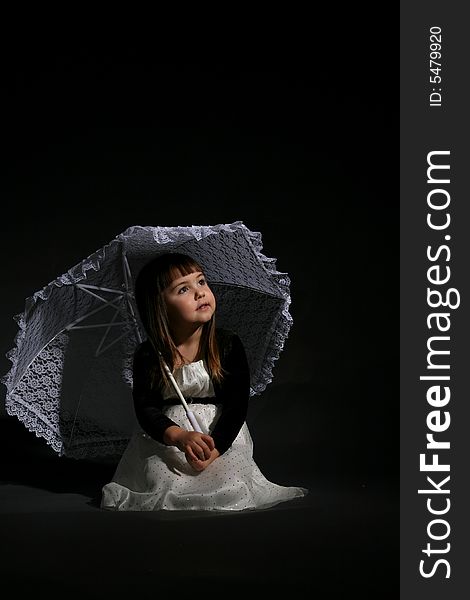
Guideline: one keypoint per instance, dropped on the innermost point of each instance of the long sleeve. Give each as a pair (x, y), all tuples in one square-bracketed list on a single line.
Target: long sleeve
[(148, 402), (233, 393)]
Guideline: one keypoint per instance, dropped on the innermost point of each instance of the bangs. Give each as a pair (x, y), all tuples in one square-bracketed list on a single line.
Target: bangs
[(157, 275), (180, 267)]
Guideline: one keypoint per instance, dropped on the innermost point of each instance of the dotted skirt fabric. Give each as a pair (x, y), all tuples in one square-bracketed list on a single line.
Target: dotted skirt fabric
[(153, 476)]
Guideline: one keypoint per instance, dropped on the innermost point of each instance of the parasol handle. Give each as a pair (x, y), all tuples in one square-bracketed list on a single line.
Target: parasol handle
[(194, 422), (191, 416)]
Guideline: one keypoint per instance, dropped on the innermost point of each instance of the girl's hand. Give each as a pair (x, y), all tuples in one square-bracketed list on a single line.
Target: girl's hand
[(196, 446)]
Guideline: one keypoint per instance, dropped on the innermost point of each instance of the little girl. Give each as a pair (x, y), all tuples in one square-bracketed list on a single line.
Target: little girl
[(167, 465)]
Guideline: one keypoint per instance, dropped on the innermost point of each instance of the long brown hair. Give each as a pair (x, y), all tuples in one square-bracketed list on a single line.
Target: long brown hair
[(154, 277)]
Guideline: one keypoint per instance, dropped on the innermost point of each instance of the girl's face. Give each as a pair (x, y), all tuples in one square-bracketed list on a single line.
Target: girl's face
[(189, 300)]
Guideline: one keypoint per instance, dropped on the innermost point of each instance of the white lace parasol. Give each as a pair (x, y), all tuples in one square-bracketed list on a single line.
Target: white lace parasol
[(70, 381)]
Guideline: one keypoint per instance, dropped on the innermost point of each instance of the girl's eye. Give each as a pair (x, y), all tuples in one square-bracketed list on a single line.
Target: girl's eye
[(182, 290), (202, 282)]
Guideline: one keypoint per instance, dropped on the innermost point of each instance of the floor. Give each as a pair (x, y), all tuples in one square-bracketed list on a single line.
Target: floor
[(57, 543)]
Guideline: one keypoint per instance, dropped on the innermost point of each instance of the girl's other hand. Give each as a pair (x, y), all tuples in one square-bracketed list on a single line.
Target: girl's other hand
[(200, 465)]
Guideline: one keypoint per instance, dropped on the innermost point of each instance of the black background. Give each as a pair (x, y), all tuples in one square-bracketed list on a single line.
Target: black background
[(295, 133)]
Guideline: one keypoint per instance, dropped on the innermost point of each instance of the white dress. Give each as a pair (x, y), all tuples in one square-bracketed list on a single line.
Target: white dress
[(153, 476)]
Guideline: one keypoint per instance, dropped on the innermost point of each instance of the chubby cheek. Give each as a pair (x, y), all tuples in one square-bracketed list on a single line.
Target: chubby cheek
[(186, 310), (176, 310)]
